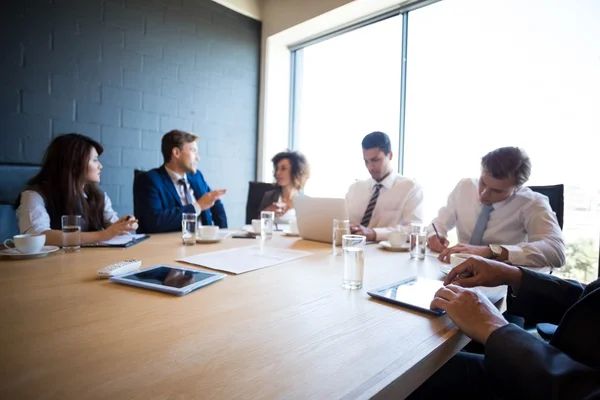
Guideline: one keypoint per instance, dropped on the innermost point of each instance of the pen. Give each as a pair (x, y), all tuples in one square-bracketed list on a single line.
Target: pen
[(437, 234)]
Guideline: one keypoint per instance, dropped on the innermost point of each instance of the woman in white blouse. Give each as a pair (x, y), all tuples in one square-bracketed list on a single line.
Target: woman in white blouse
[(291, 171), (67, 184)]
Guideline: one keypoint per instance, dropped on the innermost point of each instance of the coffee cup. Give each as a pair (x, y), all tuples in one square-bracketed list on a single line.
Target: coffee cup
[(26, 244), (397, 239), (294, 227), (459, 258), (209, 232), (256, 225)]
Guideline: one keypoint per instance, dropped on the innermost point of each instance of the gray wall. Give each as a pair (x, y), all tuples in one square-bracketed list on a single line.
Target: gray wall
[(124, 73)]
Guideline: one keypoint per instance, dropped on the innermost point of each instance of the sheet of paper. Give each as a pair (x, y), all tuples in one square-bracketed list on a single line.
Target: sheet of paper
[(244, 259), (121, 239)]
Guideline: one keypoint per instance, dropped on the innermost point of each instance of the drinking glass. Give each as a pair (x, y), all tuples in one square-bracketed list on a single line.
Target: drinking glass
[(341, 227), (188, 228), (71, 233), (354, 261)]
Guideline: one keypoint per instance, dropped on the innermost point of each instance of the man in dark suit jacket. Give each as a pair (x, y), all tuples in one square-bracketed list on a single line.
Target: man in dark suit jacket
[(161, 195), (517, 364)]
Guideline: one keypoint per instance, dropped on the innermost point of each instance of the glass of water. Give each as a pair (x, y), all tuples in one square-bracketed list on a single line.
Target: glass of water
[(341, 227), (418, 241), (354, 261), (188, 228), (71, 233), (267, 222)]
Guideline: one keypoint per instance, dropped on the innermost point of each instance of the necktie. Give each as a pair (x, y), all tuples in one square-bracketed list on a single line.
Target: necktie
[(186, 192), (369, 211), (482, 221)]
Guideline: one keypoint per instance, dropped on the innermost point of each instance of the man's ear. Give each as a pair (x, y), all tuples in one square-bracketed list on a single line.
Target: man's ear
[(391, 155), (175, 152)]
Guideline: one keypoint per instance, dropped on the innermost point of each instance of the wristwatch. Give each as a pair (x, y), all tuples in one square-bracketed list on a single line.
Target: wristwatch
[(496, 250)]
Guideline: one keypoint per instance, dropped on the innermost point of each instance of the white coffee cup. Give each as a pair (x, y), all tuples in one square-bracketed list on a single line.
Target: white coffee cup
[(397, 239), (26, 244), (293, 227), (209, 231), (459, 258), (256, 225)]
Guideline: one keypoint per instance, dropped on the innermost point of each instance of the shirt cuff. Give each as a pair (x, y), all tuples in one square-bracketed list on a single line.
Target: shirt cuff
[(381, 234), (197, 207), (516, 255)]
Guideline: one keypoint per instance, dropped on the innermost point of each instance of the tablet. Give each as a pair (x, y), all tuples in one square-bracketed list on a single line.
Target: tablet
[(415, 293), (169, 279)]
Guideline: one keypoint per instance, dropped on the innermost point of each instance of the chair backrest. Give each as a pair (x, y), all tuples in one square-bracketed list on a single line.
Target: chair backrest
[(136, 173), (556, 197), (13, 178), (256, 192)]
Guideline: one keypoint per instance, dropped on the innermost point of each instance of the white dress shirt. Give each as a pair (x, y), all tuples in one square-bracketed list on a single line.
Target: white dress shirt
[(175, 177), (524, 224), (399, 203), (289, 215), (34, 219)]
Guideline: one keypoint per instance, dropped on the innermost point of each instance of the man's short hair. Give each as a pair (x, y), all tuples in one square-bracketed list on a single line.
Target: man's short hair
[(175, 138), (377, 140), (508, 162)]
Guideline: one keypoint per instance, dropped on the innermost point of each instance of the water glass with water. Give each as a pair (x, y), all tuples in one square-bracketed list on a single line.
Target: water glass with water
[(71, 232), (267, 223), (354, 261), (189, 222), (341, 227), (418, 241)]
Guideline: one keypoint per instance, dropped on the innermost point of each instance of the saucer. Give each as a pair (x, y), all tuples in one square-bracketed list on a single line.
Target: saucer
[(250, 231), (445, 268), (16, 254), (387, 246), (290, 234), (208, 241)]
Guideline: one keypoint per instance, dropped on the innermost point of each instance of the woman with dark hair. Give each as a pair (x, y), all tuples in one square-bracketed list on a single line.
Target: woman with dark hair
[(291, 171), (67, 184)]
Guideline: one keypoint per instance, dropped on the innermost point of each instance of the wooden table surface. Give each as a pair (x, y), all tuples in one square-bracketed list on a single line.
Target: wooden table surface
[(285, 332)]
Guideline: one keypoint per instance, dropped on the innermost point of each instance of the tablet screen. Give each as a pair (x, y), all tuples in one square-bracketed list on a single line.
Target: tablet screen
[(168, 276), (415, 292)]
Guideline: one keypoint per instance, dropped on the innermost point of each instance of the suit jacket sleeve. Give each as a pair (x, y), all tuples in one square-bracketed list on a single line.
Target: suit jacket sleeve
[(543, 297), (153, 216), (519, 365), (217, 210)]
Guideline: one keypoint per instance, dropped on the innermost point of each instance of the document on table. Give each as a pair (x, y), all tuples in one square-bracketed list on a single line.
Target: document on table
[(244, 259)]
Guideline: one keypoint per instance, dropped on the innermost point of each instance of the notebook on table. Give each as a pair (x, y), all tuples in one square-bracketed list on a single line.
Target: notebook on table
[(120, 241)]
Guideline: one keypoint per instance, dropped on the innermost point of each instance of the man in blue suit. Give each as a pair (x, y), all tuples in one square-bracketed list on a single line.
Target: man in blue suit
[(161, 195)]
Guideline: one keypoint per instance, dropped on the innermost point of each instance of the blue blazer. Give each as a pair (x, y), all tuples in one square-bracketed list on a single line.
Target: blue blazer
[(158, 207)]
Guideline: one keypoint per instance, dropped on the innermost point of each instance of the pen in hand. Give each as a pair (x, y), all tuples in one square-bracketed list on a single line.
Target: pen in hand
[(437, 234)]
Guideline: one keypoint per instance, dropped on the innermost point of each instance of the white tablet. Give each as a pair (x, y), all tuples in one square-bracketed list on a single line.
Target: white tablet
[(415, 292), (169, 279)]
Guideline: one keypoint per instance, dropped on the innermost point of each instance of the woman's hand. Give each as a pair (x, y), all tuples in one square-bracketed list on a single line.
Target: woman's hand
[(123, 225)]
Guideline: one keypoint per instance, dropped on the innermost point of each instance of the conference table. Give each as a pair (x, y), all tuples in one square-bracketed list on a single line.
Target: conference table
[(289, 331)]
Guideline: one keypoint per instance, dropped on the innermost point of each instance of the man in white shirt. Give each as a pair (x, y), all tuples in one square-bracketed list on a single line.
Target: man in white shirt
[(497, 217), (385, 202)]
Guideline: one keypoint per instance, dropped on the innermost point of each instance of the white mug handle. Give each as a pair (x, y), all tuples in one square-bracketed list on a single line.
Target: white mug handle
[(9, 243)]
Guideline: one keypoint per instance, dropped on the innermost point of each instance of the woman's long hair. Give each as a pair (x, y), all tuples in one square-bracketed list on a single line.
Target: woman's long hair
[(63, 185), (300, 169)]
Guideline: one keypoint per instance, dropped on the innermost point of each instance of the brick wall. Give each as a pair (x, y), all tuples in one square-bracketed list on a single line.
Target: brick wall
[(125, 72)]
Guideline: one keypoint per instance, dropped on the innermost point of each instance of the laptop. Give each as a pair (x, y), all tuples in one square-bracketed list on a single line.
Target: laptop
[(315, 217)]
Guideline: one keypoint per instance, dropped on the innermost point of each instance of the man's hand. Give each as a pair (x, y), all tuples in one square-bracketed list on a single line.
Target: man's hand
[(362, 230), (482, 251), (470, 310), (208, 200), (434, 243), (477, 271)]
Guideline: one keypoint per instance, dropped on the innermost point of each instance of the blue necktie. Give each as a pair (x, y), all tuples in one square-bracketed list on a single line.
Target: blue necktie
[(186, 191), (482, 221)]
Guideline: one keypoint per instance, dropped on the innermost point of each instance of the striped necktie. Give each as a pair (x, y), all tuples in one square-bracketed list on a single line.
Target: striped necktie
[(482, 221), (186, 191), (369, 211)]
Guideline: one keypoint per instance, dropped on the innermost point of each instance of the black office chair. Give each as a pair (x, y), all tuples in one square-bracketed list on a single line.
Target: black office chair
[(556, 197), (13, 178), (256, 192)]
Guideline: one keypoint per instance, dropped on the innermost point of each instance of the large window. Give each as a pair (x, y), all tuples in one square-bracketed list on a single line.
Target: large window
[(479, 75), (348, 86)]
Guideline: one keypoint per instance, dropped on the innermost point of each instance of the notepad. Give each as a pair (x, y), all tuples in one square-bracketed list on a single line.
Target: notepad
[(121, 241)]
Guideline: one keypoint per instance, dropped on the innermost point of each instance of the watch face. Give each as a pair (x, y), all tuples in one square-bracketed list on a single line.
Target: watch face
[(496, 249)]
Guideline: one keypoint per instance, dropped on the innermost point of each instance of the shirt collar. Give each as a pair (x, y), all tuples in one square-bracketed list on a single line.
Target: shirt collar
[(175, 177), (387, 182)]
